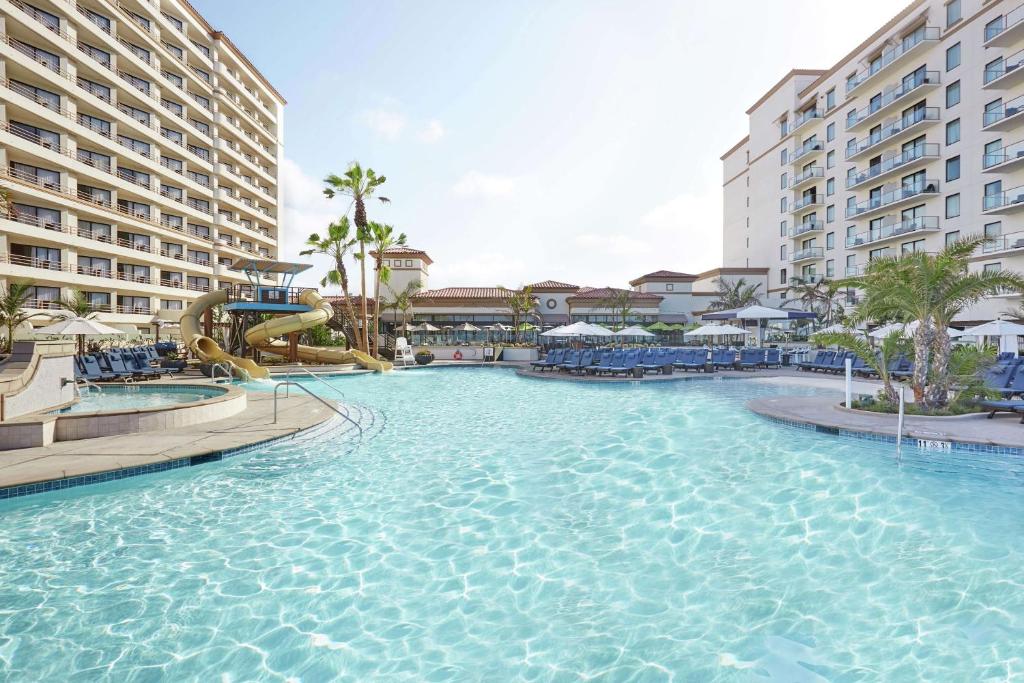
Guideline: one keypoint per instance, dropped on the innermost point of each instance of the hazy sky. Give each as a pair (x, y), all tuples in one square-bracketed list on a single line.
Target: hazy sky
[(575, 140)]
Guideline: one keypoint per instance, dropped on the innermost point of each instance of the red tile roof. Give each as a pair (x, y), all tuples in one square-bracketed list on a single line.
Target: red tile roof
[(456, 293), (662, 276), (553, 286), (402, 250), (602, 293)]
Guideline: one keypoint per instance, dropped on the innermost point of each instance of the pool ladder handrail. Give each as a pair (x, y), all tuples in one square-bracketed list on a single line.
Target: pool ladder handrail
[(288, 376), (332, 407), (224, 367)]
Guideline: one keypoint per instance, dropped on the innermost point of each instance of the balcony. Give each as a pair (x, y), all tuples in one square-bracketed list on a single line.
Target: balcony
[(915, 156), (1005, 30), (892, 134), (807, 279), (1006, 74), (805, 117), (806, 202), (1004, 243), (1010, 201), (1007, 117), (801, 229), (901, 195), (808, 254), (860, 268), (893, 230), (896, 54), (1003, 159), (917, 84), (807, 148), (807, 177)]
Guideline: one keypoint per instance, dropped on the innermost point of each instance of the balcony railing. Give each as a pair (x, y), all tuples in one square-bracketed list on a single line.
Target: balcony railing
[(806, 201), (801, 151), (1014, 240), (1011, 108), (804, 228), (808, 253), (807, 279), (1011, 199), (1003, 155), (891, 54), (900, 229), (32, 262), (923, 188), (1008, 65), (927, 150), (899, 92), (1001, 25), (812, 172), (855, 147), (43, 18)]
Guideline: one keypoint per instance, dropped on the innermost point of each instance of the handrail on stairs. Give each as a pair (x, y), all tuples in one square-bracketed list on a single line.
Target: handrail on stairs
[(334, 408), (288, 376)]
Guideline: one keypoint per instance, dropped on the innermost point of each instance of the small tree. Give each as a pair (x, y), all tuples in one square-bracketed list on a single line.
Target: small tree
[(13, 299), (77, 304), (337, 244), (402, 302), (382, 238), (891, 347), (620, 303), (519, 302), (736, 294)]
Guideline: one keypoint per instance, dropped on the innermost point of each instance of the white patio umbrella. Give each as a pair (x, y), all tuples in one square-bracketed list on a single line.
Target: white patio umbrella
[(715, 331), (634, 331), (578, 329), (908, 329), (467, 327), (1006, 330), (759, 313), (839, 328), (78, 327), (425, 327)]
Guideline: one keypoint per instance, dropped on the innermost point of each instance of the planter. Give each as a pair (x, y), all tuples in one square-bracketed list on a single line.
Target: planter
[(424, 358)]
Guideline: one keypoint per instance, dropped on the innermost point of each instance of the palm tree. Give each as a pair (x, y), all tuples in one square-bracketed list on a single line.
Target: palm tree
[(402, 301), (736, 294), (360, 185), (891, 346), (382, 238), (77, 304), (519, 303), (5, 203), (929, 289), (620, 303), (12, 309), (818, 297), (337, 244)]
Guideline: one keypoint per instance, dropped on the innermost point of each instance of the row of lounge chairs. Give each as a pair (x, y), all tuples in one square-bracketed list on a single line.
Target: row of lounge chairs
[(640, 361), (1006, 377), (835, 362), (120, 365)]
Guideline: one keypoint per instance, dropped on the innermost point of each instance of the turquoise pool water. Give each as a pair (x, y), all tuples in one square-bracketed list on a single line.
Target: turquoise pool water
[(497, 528), (118, 397)]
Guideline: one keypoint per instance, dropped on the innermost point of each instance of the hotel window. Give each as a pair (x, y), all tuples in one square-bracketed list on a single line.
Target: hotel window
[(94, 231), (48, 59), (782, 229), (953, 57), (408, 264), (50, 100), (830, 187), (36, 215), (830, 101), (830, 268), (952, 237), (993, 229), (993, 195), (830, 159), (782, 276), (783, 156), (95, 124), (97, 300), (953, 205), (782, 252), (176, 51), (98, 89), (782, 205), (953, 132), (851, 263), (669, 287), (830, 132), (784, 180), (42, 137), (170, 304), (954, 12), (94, 265), (95, 195), (44, 297), (992, 268), (994, 70), (133, 304), (911, 247), (830, 240), (953, 169), (952, 94)]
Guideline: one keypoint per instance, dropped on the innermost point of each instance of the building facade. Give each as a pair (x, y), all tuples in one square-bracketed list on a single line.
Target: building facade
[(911, 141), (139, 156)]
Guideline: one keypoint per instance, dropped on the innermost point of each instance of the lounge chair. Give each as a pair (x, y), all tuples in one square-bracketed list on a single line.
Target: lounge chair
[(822, 361), (578, 360), (113, 366), (859, 365), (690, 359), (773, 358), (901, 367), (658, 360), (93, 372), (1000, 376), (571, 360), (143, 360), (647, 359), (1004, 406), (809, 363), (751, 358), (838, 363), (124, 362), (723, 358), (630, 361), (614, 359), (553, 359)]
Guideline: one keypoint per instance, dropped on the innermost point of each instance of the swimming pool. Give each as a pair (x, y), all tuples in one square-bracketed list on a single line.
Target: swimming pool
[(500, 527), (136, 396)]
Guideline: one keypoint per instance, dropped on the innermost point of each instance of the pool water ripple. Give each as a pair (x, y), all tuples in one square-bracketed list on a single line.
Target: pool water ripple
[(501, 528)]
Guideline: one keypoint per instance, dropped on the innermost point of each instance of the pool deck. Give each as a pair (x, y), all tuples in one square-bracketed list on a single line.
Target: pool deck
[(91, 456)]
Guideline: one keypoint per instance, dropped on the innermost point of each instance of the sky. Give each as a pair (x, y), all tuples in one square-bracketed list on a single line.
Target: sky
[(526, 140)]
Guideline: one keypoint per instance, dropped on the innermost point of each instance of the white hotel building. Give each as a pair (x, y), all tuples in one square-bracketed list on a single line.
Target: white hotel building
[(139, 150), (913, 139)]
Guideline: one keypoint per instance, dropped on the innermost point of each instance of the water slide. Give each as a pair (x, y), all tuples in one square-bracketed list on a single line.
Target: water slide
[(262, 337)]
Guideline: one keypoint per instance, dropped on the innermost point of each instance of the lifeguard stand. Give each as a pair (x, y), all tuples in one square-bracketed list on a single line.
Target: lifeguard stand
[(250, 304)]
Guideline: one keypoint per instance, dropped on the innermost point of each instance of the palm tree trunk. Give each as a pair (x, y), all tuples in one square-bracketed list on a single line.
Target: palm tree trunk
[(922, 350), (376, 310), (349, 312), (938, 391)]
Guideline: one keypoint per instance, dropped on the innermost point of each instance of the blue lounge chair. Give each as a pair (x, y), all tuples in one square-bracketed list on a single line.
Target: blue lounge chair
[(901, 366), (838, 362), (751, 358), (690, 359), (630, 361), (1001, 375), (773, 358), (647, 358), (113, 365), (571, 359), (601, 357), (658, 360), (576, 361), (554, 358), (143, 360), (129, 363), (723, 358), (809, 363), (859, 366), (614, 359), (1004, 406)]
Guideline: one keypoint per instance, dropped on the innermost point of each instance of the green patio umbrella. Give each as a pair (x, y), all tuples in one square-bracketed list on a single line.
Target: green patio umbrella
[(659, 327), (526, 327), (677, 327)]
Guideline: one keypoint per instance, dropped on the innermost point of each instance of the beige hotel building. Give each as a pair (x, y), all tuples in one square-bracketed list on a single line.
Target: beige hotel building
[(914, 139), (139, 153)]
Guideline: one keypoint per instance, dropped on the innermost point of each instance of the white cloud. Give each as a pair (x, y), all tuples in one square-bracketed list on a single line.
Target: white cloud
[(431, 132), (477, 184), (385, 123), (305, 211)]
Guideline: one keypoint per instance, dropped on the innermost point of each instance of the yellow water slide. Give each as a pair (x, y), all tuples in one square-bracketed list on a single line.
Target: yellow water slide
[(262, 336)]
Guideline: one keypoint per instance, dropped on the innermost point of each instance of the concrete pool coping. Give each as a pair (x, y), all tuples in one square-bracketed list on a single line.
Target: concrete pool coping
[(65, 464)]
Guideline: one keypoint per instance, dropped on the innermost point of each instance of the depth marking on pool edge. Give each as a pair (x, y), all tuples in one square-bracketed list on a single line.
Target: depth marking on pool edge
[(934, 445)]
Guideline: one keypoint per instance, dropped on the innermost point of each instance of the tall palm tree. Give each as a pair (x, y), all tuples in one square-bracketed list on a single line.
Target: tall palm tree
[(929, 289), (519, 303), (620, 303), (402, 301), (382, 238), (360, 185), (337, 244), (736, 294), (77, 304), (12, 309), (817, 297)]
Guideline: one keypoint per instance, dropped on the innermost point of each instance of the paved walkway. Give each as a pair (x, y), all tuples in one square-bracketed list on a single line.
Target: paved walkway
[(90, 456)]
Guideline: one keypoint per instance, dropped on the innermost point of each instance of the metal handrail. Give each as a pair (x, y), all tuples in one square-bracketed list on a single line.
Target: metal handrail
[(288, 383), (224, 367), (315, 376)]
